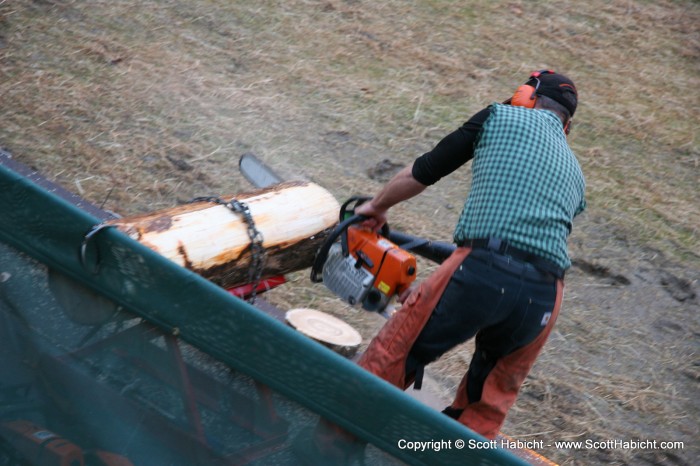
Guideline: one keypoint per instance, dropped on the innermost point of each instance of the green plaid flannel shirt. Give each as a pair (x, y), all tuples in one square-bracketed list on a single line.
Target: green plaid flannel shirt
[(527, 185)]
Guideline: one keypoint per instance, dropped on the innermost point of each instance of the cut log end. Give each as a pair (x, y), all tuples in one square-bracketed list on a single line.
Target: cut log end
[(325, 329)]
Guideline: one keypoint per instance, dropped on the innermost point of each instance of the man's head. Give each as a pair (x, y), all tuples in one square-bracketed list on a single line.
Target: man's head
[(549, 84)]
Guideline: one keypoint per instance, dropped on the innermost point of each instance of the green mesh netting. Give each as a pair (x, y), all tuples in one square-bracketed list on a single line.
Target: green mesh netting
[(130, 359)]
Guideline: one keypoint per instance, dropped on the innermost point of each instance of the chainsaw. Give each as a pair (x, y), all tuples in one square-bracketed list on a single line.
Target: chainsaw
[(360, 266)]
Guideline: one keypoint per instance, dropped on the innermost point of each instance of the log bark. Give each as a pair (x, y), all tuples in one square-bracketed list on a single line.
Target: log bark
[(294, 219), (325, 329)]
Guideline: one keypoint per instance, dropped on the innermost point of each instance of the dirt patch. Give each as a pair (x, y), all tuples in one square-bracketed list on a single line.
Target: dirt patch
[(142, 106)]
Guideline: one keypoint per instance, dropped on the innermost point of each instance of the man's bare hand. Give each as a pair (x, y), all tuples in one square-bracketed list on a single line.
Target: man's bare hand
[(405, 294), (376, 218)]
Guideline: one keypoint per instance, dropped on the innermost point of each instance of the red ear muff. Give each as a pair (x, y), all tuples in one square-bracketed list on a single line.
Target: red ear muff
[(524, 96)]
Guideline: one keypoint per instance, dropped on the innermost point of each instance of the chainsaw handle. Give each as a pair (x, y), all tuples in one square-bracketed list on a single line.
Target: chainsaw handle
[(322, 253), (436, 251), (345, 210)]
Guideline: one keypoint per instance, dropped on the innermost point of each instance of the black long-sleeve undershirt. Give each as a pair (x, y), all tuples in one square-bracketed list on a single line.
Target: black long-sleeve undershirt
[(453, 151)]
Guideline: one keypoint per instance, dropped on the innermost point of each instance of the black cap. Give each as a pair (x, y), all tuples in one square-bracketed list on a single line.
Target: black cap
[(556, 86)]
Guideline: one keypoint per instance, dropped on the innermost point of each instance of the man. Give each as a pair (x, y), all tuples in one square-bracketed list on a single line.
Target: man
[(504, 282)]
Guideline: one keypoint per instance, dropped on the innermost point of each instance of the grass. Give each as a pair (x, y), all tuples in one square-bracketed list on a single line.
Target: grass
[(147, 104)]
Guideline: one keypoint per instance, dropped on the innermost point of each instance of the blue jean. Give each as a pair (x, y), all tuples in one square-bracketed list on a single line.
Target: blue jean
[(502, 301)]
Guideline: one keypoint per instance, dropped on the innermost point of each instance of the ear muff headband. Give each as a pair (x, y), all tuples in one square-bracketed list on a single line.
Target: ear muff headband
[(526, 95)]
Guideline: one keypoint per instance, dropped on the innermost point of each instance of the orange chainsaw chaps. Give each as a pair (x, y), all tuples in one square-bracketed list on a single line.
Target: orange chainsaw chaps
[(393, 268), (387, 352)]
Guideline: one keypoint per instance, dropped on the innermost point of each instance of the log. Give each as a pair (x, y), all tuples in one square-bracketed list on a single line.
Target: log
[(294, 219), (325, 329)]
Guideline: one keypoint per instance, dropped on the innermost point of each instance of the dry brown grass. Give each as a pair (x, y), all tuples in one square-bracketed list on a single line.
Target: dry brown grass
[(153, 102)]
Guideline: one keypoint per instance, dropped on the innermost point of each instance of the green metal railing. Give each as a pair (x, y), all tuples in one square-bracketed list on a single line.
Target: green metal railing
[(53, 231)]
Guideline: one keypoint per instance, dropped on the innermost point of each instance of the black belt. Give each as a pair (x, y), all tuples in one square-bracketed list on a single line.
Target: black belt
[(503, 247)]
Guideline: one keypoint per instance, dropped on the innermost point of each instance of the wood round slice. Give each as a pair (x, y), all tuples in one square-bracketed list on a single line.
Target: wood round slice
[(325, 329)]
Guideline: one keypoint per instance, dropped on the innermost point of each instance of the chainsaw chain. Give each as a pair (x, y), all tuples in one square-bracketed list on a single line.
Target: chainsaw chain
[(257, 252)]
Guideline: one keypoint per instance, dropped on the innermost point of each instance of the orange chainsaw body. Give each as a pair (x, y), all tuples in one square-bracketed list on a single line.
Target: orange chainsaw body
[(393, 268)]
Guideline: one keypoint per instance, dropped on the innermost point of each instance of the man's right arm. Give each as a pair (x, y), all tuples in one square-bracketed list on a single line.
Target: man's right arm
[(453, 151), (401, 187)]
